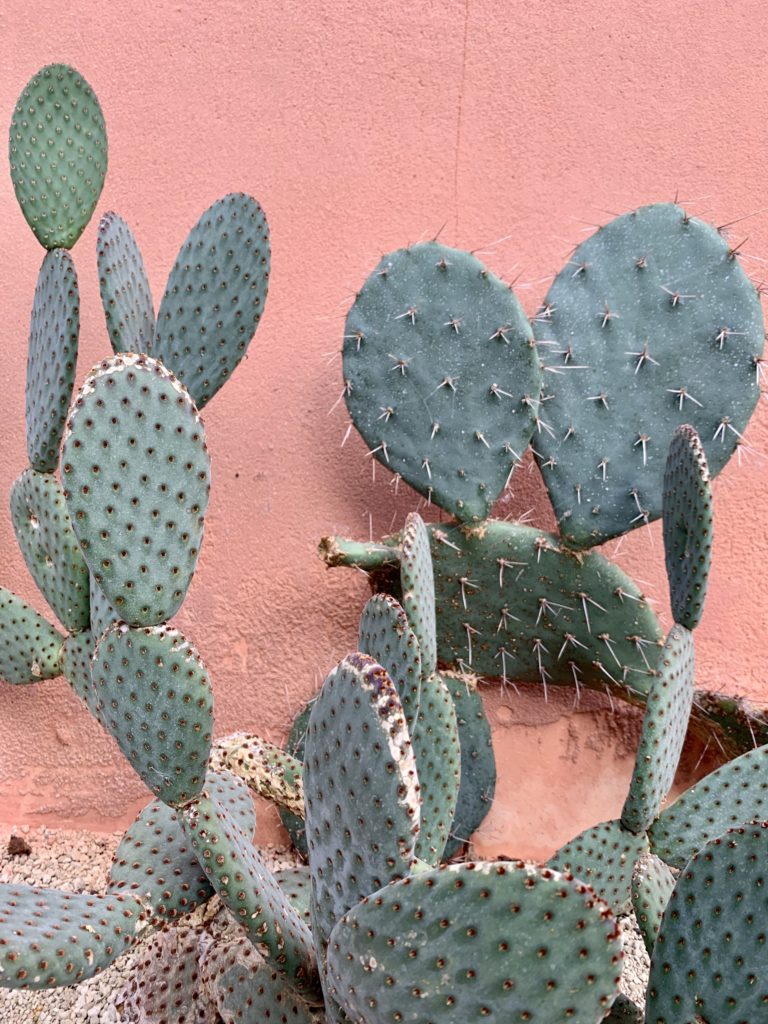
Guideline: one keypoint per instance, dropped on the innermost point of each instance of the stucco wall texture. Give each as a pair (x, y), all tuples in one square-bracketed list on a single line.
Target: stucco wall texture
[(361, 125)]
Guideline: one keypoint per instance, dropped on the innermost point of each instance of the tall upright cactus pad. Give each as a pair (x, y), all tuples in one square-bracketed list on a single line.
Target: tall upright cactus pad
[(237, 871), (385, 634), (54, 332), (417, 579), (30, 647), (124, 286), (651, 324), (710, 962), (58, 154), (136, 473), (215, 296), (441, 376), (52, 938), (50, 548), (735, 793), (504, 941), (154, 696), (652, 885), (688, 525), (361, 791), (664, 727), (155, 863)]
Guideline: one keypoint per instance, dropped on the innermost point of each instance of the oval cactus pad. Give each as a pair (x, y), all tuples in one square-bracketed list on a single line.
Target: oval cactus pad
[(124, 286), (30, 647), (502, 941), (136, 474), (58, 154), (652, 323), (441, 375), (154, 696)]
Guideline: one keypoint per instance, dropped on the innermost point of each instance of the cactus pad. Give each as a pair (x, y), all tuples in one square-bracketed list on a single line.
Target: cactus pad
[(154, 696), (51, 358), (215, 296), (652, 885), (652, 323), (58, 154), (710, 961), (156, 864), (478, 765), (136, 474), (296, 883), (667, 711), (441, 376), (604, 857), (687, 525), (124, 286), (76, 653), (247, 888), (103, 615), (30, 648), (384, 633), (268, 770), (361, 790), (417, 579), (50, 548), (735, 793), (51, 938), (504, 941)]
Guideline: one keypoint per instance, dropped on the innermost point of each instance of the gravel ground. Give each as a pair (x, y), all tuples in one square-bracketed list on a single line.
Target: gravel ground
[(80, 861)]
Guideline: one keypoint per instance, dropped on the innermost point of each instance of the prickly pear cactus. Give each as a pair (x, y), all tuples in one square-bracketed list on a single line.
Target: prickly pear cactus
[(125, 292), (30, 647)]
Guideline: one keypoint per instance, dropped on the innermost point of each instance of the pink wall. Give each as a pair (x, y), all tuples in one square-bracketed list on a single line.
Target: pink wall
[(361, 125)]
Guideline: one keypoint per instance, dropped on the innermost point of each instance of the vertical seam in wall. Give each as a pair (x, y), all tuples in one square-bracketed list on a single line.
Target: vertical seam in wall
[(459, 124)]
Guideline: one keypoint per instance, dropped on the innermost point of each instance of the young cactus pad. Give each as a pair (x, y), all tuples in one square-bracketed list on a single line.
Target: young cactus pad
[(504, 941), (54, 331), (124, 286), (417, 579), (30, 647), (441, 376), (58, 154), (652, 323), (136, 473)]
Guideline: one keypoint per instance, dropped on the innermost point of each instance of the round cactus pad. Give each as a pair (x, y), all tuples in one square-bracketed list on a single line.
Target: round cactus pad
[(215, 296), (735, 793), (136, 475), (30, 648), (665, 723), (58, 154), (154, 696), (54, 331), (50, 548), (652, 885), (417, 579), (441, 376), (360, 788), (710, 962), (51, 938), (688, 525), (155, 863), (125, 292), (502, 941), (651, 324)]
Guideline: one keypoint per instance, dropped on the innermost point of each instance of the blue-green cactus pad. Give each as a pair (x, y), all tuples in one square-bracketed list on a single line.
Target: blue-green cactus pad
[(136, 474), (76, 653), (652, 885), (50, 938), (417, 580), (604, 857), (665, 724), (710, 962), (502, 941), (384, 633), (215, 296), (30, 647), (296, 883), (156, 864), (103, 615), (688, 525), (50, 548), (58, 154), (360, 790), (735, 793), (441, 375), (125, 292), (667, 326), (154, 696), (54, 331)]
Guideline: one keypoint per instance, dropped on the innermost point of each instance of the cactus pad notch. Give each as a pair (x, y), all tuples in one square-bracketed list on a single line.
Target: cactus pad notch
[(665, 326), (441, 375), (136, 473), (125, 292), (58, 154)]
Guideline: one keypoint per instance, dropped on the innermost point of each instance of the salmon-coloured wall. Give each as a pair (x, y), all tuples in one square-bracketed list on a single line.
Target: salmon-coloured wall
[(362, 125)]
